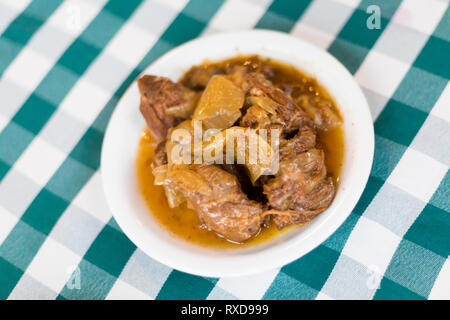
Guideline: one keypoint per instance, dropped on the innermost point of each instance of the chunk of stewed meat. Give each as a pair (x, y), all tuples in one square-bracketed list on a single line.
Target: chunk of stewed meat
[(197, 77), (320, 110), (217, 197), (300, 190), (160, 155), (159, 98), (278, 106), (304, 139)]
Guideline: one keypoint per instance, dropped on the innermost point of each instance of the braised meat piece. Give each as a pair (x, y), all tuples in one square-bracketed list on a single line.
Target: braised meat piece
[(161, 99), (300, 190), (305, 139), (320, 110), (160, 155), (256, 118), (253, 191), (218, 199), (282, 111), (197, 77)]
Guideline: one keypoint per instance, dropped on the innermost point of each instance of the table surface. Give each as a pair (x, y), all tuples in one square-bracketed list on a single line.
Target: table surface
[(65, 64)]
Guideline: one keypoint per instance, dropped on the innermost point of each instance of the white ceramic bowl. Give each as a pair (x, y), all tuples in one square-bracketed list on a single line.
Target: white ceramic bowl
[(126, 125)]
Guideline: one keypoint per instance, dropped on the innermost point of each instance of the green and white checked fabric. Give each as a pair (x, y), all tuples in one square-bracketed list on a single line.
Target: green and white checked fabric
[(65, 64)]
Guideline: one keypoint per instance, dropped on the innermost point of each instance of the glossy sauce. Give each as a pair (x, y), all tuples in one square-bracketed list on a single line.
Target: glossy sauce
[(182, 221)]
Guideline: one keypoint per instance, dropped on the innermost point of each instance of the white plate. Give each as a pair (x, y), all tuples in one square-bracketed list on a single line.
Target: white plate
[(126, 125)]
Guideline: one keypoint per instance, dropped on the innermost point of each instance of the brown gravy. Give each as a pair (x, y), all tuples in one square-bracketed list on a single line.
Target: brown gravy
[(182, 221)]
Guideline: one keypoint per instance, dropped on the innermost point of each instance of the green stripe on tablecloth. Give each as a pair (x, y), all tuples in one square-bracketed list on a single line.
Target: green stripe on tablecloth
[(19, 248), (48, 206), (431, 230), (414, 268), (373, 185), (417, 87), (399, 122), (3, 168), (385, 162), (95, 284), (433, 54), (44, 211), (390, 290), (312, 270), (184, 286), (110, 251), (442, 194), (88, 149), (21, 245), (287, 288), (282, 15), (8, 280), (22, 28), (355, 40), (442, 30), (75, 60)]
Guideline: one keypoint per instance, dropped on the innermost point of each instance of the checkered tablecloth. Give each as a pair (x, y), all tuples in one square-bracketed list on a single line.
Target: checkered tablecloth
[(65, 64)]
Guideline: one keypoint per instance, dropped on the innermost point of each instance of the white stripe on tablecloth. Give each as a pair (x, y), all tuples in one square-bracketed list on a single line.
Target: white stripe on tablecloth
[(237, 15), (423, 16), (441, 109), (8, 222), (316, 26), (53, 265), (250, 287), (3, 121), (123, 291), (441, 290)]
